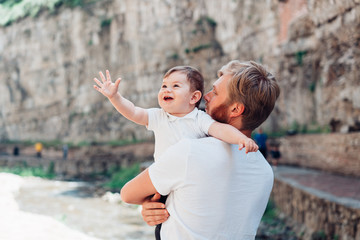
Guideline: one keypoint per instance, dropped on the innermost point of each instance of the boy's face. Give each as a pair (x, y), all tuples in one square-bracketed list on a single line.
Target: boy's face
[(175, 95)]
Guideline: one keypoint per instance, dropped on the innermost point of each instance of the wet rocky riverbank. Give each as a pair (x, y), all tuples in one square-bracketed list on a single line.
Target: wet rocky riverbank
[(43, 209)]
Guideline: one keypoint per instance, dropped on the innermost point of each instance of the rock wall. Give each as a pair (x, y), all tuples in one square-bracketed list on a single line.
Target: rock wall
[(317, 67), (336, 153), (47, 63), (322, 219), (84, 162)]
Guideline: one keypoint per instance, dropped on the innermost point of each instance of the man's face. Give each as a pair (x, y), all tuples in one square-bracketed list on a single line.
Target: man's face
[(216, 102)]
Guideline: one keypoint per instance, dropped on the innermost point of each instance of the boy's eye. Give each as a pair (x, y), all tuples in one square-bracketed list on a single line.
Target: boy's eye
[(176, 85), (163, 86)]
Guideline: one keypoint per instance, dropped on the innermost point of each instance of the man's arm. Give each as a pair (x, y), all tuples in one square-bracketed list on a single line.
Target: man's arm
[(153, 211), (122, 105)]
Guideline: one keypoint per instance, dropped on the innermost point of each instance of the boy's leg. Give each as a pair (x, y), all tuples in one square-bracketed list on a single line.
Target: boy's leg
[(158, 227)]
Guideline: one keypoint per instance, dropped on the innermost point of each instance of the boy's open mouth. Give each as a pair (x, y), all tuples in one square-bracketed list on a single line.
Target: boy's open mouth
[(166, 98)]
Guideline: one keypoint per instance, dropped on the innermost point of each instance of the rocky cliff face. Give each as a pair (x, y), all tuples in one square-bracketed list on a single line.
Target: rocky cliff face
[(47, 63)]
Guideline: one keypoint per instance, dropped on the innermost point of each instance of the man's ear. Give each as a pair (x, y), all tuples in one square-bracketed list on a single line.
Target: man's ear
[(236, 109), (196, 96)]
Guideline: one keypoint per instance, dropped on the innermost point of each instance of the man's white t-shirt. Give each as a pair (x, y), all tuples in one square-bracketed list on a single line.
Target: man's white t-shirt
[(169, 129), (215, 191)]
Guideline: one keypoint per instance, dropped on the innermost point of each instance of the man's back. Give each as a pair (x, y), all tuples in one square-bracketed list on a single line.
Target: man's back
[(216, 191)]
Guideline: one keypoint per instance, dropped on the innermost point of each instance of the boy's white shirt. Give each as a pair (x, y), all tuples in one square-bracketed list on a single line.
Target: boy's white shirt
[(169, 129)]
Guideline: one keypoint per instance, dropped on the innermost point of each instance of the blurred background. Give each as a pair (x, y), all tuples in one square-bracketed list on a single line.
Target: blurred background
[(50, 51)]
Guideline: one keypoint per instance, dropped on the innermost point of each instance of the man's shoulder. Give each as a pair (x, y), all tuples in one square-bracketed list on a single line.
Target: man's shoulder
[(211, 147), (203, 141), (204, 145)]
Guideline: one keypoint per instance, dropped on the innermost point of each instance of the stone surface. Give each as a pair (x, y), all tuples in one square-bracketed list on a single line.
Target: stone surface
[(336, 153), (47, 63), (326, 204)]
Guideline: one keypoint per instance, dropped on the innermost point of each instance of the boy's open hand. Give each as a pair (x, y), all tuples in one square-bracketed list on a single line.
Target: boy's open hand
[(106, 86), (249, 145)]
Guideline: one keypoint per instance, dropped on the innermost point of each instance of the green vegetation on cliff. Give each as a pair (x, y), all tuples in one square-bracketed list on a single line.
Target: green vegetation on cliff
[(12, 10), (26, 171)]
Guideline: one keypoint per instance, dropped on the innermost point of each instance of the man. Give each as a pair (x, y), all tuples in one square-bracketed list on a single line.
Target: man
[(215, 191)]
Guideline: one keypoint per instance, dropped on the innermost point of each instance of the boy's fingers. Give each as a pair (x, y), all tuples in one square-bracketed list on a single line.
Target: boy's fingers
[(97, 88), (102, 77), (117, 82), (98, 82), (108, 78)]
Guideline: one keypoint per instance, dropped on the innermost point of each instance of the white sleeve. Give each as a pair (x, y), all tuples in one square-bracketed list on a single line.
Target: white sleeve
[(168, 173), (204, 121), (153, 118)]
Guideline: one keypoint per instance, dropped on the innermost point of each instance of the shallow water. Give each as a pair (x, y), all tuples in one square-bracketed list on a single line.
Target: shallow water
[(73, 204)]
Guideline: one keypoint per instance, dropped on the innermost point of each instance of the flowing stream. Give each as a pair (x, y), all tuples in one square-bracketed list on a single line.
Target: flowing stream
[(75, 205)]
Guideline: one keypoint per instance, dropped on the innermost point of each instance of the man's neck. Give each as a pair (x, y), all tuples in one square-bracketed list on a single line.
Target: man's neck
[(247, 133), (236, 122)]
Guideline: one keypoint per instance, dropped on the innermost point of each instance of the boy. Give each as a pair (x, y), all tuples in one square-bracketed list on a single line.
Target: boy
[(178, 118)]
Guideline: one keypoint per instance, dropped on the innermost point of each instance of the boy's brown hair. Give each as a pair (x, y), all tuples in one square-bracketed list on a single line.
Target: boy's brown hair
[(193, 76), (254, 87)]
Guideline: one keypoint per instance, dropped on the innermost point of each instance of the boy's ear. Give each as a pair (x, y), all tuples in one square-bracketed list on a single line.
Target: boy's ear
[(236, 109), (196, 96)]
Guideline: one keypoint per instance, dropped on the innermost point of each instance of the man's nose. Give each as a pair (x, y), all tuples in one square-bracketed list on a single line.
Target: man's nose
[(207, 97)]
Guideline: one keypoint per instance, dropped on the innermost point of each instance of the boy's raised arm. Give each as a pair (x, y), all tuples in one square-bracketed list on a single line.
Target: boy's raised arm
[(122, 105), (230, 134)]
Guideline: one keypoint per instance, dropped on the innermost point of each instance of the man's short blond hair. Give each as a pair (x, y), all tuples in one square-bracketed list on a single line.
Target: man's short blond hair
[(253, 86)]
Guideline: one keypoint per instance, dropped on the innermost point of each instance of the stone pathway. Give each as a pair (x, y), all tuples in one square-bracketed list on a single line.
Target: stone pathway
[(344, 191), (341, 189)]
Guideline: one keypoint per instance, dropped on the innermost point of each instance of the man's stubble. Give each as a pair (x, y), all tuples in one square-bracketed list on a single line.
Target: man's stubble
[(220, 113)]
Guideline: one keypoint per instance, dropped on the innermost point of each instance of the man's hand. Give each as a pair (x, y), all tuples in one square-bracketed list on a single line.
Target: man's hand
[(154, 212), (249, 145), (106, 86)]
